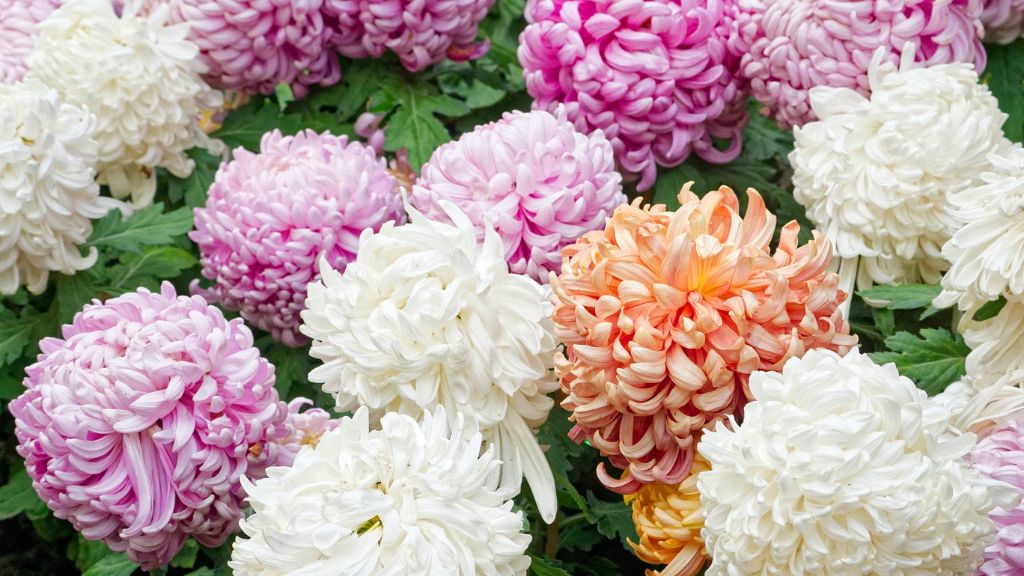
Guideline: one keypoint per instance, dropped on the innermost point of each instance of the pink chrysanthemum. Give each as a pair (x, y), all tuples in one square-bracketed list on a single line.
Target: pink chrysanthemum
[(1003, 20), (664, 315), (284, 440), (1000, 455), (657, 76), (136, 426), (538, 181), (420, 32), (254, 46), (269, 217), (18, 19), (791, 46)]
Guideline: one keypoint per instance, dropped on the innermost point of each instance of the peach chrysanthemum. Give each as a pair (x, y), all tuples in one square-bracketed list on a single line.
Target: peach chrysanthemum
[(668, 520), (664, 315)]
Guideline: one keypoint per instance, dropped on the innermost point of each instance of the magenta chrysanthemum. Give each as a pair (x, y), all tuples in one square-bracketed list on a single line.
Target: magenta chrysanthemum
[(136, 426), (657, 76), (269, 217), (254, 46), (18, 19), (1003, 20), (1000, 455), (791, 46), (420, 32), (539, 182)]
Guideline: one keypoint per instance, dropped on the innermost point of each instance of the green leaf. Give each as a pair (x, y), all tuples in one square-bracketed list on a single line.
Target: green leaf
[(74, 292), (990, 310), (361, 80), (933, 359), (194, 188), (541, 566), (186, 557), (147, 227), (885, 320), (578, 535), (902, 297), (86, 553), (1004, 75), (19, 335), (613, 519), (18, 496), (290, 367), (415, 125), (10, 384), (246, 126), (283, 95), (148, 268), (113, 565)]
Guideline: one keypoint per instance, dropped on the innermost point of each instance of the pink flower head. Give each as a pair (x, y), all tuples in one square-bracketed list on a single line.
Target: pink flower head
[(284, 440), (18, 19), (269, 217), (791, 46), (420, 32), (664, 316), (1003, 20), (255, 45), (136, 426), (657, 76), (539, 182), (1000, 455)]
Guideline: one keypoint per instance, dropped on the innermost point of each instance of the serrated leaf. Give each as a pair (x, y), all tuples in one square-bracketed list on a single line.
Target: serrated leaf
[(186, 557), (1004, 75), (902, 297), (113, 565), (18, 496), (290, 367), (246, 126), (74, 292), (147, 227), (193, 190), (415, 125), (933, 359), (148, 268), (85, 553), (18, 335), (762, 140), (885, 320), (614, 519), (578, 534), (541, 566)]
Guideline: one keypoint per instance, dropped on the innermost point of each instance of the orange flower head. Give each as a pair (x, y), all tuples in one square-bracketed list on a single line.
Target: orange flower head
[(668, 521), (664, 315)]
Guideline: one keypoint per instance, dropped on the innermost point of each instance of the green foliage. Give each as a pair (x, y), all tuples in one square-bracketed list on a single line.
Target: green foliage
[(1004, 74), (541, 566), (933, 359), (17, 496), (902, 297), (148, 227)]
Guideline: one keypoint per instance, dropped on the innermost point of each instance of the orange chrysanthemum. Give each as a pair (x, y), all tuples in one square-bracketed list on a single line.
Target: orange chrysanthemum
[(664, 315), (668, 521)]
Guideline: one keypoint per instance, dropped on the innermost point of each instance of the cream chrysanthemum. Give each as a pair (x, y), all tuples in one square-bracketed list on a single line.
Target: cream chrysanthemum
[(875, 172), (409, 499), (997, 344), (47, 190), (986, 253), (424, 316), (842, 467), (139, 77)]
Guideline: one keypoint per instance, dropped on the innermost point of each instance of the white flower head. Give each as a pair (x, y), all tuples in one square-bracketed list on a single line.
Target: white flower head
[(425, 316), (986, 253), (139, 77), (47, 189), (410, 499), (997, 344), (842, 467), (875, 172)]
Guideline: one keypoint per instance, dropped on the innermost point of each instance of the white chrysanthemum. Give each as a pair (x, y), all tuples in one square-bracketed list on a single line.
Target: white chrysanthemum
[(997, 344), (410, 499), (978, 405), (425, 316), (842, 467), (986, 253), (874, 172), (47, 189), (139, 78)]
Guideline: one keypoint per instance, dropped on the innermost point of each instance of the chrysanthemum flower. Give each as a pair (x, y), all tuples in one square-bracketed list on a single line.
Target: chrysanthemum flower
[(139, 77), (254, 46), (270, 217), (792, 46), (47, 189), (284, 440), (420, 32), (668, 520), (426, 316), (409, 499), (664, 315), (18, 20), (1003, 20), (136, 426), (876, 173), (997, 347), (986, 253), (538, 181), (659, 77), (979, 404), (842, 467), (1000, 456)]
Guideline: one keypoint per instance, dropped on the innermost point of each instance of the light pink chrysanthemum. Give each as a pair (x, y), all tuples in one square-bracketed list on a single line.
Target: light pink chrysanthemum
[(18, 19), (540, 183), (254, 46), (1000, 455), (420, 32), (284, 440), (269, 217), (657, 76), (136, 426), (1003, 20), (791, 46)]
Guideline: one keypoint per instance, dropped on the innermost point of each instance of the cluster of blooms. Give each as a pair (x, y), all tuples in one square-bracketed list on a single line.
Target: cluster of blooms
[(877, 173), (271, 217), (138, 424), (664, 316)]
